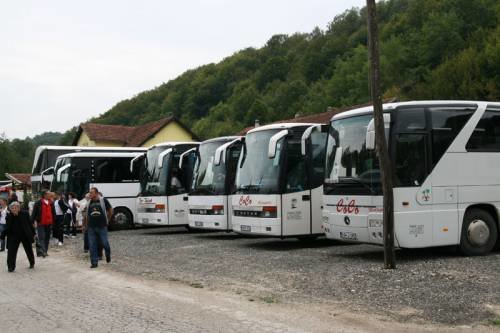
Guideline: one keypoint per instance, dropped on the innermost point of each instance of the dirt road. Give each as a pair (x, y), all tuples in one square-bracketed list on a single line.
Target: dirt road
[(63, 295)]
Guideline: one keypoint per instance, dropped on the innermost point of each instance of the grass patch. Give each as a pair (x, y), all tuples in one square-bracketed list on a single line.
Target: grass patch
[(269, 299), (495, 322)]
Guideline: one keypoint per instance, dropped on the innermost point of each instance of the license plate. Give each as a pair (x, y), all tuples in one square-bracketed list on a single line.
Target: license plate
[(346, 235), (145, 220), (246, 228), (198, 224)]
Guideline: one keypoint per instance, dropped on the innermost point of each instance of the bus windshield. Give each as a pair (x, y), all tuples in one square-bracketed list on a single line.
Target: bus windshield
[(351, 168), (209, 178), (72, 175), (259, 174), (151, 173)]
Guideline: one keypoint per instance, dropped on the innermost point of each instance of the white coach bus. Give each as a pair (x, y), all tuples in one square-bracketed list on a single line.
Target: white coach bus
[(279, 186), (213, 181), (446, 171), (166, 172), (46, 156), (109, 172)]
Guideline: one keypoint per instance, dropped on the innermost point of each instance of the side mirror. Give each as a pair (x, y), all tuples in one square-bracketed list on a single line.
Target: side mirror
[(220, 152), (370, 131), (60, 171), (162, 155), (370, 135), (273, 143), (47, 172), (184, 154), (336, 165), (132, 162), (307, 134)]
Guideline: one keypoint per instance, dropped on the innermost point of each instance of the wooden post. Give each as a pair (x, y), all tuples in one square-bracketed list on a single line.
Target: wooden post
[(380, 142)]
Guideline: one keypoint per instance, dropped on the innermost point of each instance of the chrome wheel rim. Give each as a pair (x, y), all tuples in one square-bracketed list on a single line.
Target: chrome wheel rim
[(121, 218), (478, 233)]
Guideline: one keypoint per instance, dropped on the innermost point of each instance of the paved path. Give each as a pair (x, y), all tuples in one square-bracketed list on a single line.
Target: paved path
[(63, 295)]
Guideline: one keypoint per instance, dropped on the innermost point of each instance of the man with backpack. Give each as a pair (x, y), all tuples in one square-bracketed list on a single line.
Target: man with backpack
[(99, 212)]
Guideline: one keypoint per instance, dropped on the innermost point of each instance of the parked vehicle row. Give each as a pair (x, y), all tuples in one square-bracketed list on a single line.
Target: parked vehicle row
[(305, 180)]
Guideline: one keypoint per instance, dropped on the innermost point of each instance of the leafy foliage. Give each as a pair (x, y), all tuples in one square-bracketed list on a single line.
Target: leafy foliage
[(430, 49), (16, 156), (439, 49)]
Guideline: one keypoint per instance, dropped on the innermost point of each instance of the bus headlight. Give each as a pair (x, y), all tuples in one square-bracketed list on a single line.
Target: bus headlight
[(159, 208), (218, 210), (375, 223), (269, 211)]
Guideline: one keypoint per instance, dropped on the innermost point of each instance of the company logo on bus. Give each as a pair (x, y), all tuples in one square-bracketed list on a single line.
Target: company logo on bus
[(245, 201), (145, 200), (349, 208)]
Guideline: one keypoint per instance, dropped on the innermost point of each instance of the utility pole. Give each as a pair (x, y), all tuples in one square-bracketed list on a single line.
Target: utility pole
[(380, 142)]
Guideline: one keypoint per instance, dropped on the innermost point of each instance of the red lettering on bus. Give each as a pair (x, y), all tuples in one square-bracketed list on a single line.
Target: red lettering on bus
[(350, 208)]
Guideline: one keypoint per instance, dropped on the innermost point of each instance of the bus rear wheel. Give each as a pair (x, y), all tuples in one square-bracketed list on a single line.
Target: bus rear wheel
[(122, 219), (479, 233)]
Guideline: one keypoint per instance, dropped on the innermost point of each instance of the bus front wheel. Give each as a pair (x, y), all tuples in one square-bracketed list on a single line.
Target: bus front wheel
[(122, 219), (479, 233)]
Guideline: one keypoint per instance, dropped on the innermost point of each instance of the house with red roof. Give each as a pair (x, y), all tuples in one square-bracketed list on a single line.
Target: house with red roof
[(165, 129)]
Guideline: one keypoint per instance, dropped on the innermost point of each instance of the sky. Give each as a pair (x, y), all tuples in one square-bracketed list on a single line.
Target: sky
[(63, 62)]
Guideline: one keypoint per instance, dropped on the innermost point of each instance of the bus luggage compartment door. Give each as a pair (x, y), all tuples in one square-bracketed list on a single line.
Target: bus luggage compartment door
[(296, 217)]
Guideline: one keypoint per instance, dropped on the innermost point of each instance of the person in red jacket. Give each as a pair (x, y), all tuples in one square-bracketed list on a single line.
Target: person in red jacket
[(43, 218)]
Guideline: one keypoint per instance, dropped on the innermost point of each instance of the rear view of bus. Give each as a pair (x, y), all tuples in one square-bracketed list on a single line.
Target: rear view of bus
[(445, 158), (109, 172), (213, 182), (166, 172), (45, 159), (279, 182)]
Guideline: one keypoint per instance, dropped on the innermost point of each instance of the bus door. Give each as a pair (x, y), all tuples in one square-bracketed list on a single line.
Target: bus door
[(297, 195), (179, 183)]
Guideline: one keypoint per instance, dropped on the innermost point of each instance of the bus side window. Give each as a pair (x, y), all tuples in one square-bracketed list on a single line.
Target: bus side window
[(176, 179), (486, 136), (233, 158), (295, 173), (318, 156), (446, 124), (411, 159)]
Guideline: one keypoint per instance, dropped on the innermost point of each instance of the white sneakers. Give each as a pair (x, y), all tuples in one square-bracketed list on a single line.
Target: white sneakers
[(59, 244)]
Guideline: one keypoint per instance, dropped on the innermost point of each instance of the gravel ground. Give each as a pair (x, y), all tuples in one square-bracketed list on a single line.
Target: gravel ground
[(430, 285)]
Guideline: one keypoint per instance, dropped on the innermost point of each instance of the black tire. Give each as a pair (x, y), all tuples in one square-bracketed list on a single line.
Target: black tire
[(478, 223), (189, 229), (307, 238), (122, 219)]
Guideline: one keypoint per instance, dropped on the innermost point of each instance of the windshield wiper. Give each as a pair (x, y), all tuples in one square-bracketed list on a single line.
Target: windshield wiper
[(202, 191), (357, 181), (248, 188)]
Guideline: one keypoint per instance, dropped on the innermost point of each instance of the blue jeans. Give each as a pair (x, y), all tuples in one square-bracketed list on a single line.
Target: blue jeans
[(2, 242), (96, 234)]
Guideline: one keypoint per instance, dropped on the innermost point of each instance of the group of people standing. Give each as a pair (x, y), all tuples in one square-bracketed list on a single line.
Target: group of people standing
[(54, 215)]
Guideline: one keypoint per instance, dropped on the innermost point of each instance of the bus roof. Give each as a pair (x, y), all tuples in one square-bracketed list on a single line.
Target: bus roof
[(221, 138), (102, 154), (173, 143), (41, 149), (279, 126), (390, 106)]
